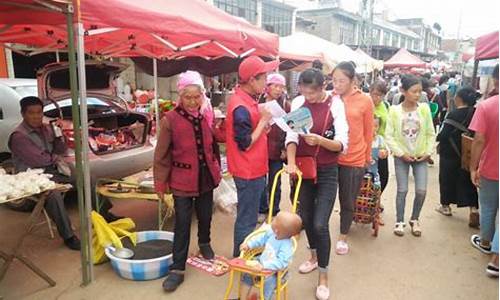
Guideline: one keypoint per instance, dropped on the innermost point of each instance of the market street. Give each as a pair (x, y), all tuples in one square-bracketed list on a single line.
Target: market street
[(441, 264)]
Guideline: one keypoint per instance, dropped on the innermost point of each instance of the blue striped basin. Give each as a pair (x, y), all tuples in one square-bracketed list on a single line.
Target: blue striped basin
[(145, 269)]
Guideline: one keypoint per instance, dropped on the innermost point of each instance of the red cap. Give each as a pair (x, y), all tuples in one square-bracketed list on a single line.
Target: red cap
[(254, 65)]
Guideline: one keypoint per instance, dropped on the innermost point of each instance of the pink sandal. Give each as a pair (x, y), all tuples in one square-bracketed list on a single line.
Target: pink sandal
[(322, 293), (307, 267)]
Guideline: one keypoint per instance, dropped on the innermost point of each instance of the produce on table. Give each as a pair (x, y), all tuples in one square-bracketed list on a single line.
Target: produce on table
[(22, 184), (166, 105)]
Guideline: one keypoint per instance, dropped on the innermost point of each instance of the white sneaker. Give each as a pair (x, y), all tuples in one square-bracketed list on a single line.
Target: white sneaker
[(399, 229)]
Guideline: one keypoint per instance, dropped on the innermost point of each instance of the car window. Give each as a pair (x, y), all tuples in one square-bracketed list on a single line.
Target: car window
[(26, 90), (95, 106)]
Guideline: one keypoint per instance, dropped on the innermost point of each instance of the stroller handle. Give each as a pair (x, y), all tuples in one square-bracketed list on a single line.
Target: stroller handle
[(273, 191)]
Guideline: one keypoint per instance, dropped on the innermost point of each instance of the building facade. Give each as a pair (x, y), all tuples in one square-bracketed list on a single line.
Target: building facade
[(330, 23), (343, 27), (430, 38), (273, 16)]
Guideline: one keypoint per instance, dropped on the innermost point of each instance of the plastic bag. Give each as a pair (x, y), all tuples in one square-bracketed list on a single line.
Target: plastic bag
[(225, 197), (105, 235)]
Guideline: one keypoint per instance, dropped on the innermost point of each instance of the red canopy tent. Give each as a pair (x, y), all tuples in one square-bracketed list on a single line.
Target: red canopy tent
[(153, 28), (404, 59), (487, 46)]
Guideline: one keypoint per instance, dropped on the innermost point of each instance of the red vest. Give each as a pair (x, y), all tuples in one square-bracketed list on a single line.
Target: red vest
[(252, 163), (192, 141)]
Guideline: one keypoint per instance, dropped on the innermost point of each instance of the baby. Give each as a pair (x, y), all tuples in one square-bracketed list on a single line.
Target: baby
[(278, 251)]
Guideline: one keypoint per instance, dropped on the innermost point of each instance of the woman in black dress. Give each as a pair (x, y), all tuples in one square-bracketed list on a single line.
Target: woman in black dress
[(454, 182)]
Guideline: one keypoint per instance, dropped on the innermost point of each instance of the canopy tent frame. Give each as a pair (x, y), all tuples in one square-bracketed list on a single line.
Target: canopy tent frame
[(74, 38), (79, 112), (76, 59)]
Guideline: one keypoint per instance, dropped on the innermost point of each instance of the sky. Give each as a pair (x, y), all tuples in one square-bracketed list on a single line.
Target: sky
[(478, 16)]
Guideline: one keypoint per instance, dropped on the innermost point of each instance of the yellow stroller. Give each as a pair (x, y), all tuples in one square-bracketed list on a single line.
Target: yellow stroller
[(241, 264)]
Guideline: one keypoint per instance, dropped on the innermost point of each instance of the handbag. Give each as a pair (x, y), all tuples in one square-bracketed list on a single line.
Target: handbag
[(307, 164)]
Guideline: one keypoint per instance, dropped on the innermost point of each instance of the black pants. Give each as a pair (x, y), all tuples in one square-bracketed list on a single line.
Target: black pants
[(316, 205), (383, 172), (350, 179), (455, 186), (54, 206), (56, 209), (182, 231)]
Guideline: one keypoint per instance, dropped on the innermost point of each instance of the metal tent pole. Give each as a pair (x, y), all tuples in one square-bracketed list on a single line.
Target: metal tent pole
[(87, 237), (157, 105), (86, 277), (157, 117), (474, 73)]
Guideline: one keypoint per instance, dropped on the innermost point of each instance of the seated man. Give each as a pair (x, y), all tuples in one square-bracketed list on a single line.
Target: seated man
[(34, 145)]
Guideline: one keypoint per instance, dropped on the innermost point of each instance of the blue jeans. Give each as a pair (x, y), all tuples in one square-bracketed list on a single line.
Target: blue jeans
[(420, 174), (316, 204), (488, 205), (249, 194), (494, 245), (274, 167)]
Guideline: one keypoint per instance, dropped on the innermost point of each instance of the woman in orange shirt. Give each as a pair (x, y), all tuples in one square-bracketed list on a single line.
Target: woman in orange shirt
[(353, 162)]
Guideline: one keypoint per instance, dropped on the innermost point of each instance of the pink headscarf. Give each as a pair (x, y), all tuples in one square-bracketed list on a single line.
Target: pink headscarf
[(275, 78), (194, 78)]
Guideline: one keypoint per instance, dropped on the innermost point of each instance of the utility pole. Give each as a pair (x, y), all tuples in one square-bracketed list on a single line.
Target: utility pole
[(457, 50), (259, 14), (366, 12)]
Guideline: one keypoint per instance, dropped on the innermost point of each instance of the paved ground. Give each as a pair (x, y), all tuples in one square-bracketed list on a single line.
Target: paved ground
[(439, 265)]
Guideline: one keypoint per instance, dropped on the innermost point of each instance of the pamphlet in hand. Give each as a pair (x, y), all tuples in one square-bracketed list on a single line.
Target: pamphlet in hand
[(275, 109), (299, 121)]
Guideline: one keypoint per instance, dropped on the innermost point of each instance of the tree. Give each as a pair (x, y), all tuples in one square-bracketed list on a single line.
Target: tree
[(437, 27)]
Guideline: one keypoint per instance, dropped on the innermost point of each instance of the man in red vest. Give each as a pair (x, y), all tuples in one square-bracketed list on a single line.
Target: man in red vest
[(247, 144)]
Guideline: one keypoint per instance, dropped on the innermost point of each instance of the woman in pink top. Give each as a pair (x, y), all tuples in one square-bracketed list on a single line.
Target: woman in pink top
[(484, 174), (353, 163)]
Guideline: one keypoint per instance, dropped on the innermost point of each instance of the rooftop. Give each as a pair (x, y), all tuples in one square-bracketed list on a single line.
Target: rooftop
[(393, 27), (376, 20), (333, 10)]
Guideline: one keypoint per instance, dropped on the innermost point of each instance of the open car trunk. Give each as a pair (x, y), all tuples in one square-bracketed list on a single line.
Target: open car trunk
[(112, 133), (108, 132), (112, 127)]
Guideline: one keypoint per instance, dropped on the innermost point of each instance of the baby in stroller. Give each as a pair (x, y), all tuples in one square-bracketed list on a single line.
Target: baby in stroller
[(277, 254)]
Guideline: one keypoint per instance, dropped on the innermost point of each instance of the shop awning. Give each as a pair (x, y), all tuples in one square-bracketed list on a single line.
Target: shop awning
[(369, 63), (487, 46), (153, 28), (306, 47), (404, 59)]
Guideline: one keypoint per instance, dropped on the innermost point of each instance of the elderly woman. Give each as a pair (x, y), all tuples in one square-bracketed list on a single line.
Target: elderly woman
[(185, 164), (275, 91)]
